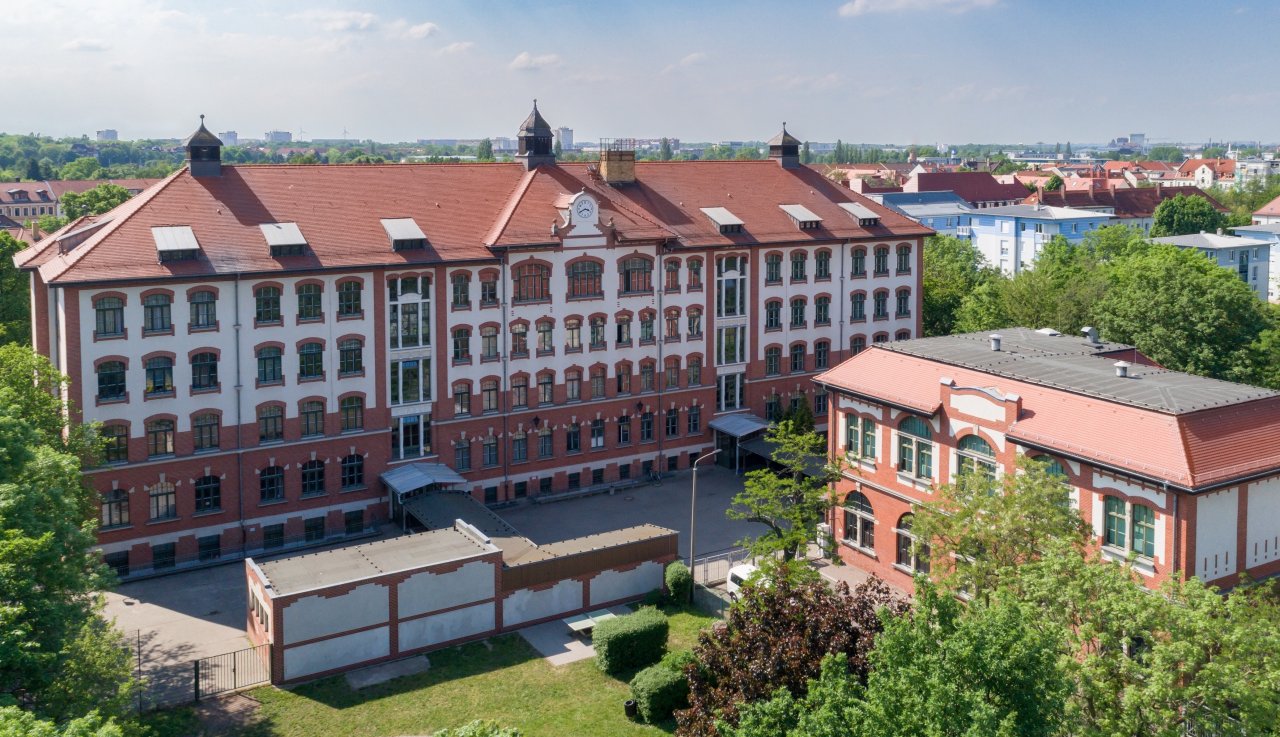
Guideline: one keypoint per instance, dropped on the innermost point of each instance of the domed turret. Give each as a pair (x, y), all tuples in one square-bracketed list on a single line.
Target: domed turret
[(204, 152), (535, 141)]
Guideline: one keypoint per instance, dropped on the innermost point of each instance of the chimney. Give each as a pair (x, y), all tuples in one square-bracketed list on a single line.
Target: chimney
[(1219, 231), (1090, 334), (995, 341), (618, 161), (1122, 369)]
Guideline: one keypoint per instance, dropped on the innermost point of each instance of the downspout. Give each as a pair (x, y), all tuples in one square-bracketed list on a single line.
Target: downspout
[(239, 387), (1175, 555), (661, 379), (505, 380)]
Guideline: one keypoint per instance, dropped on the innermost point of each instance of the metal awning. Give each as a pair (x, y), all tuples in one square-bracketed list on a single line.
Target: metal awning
[(739, 425), (418, 476), (403, 229), (174, 238), (721, 216), (801, 214), (283, 234)]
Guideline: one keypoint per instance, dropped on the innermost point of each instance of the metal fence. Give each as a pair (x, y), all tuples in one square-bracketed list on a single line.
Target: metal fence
[(713, 569), (231, 671)]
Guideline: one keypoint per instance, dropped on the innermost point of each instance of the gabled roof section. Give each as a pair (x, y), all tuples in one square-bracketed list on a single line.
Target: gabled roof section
[(1271, 209)]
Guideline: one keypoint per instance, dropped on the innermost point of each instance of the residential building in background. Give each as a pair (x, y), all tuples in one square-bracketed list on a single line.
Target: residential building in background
[(564, 136), (1256, 170), (108, 134), (945, 212), (978, 188), (278, 137), (1011, 237), (229, 138), (1268, 213), (1134, 207), (1248, 258), (1270, 233), (258, 362), (24, 201), (1175, 473), (1206, 173)]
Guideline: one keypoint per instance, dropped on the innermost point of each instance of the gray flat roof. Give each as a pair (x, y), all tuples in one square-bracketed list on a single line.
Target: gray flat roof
[(1039, 212), (1210, 240), (437, 509), (739, 424), (300, 573), (934, 209), (1263, 228), (1071, 363)]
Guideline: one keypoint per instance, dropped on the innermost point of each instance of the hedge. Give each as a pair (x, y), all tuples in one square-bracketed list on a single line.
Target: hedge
[(659, 691), (679, 581), (631, 641)]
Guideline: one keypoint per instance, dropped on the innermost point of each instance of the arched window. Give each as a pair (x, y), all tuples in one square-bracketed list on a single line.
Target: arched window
[(798, 261), (1119, 516), (115, 446), (313, 478), (821, 354), (773, 268), (859, 259), (915, 449), (694, 315), (351, 412), (312, 415), (350, 294), (267, 305), (204, 371), (797, 358), (270, 424), (159, 376), (859, 522), (156, 314), (695, 274), (976, 456), (881, 300), (271, 484), (773, 315), (204, 310), (857, 344), (111, 384), (858, 309), (159, 438), (637, 275), (310, 302), (489, 395), (904, 303), (672, 324), (311, 361), (462, 344), (531, 282), (585, 279), (822, 265), (671, 282), (902, 335), (822, 311), (911, 554), (269, 365), (797, 312), (882, 261), (109, 317), (489, 343), (351, 357), (206, 431), (596, 336), (904, 259), (773, 361)]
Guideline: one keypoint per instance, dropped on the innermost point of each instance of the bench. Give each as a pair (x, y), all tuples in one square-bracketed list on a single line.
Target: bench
[(582, 625)]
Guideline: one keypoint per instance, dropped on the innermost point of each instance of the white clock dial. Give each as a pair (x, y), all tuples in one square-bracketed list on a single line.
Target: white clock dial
[(585, 209)]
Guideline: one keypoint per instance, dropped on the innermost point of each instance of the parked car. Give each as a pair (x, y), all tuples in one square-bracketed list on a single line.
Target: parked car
[(739, 575)]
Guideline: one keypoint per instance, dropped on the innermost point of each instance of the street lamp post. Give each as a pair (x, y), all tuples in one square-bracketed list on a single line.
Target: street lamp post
[(693, 519)]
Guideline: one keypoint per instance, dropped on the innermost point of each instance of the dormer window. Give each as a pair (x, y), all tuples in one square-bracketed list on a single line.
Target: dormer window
[(803, 217), (175, 243), (284, 239), (724, 220), (866, 217), (405, 234)]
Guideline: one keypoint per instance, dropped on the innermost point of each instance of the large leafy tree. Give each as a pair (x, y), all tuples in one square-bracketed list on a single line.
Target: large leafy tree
[(58, 657), (986, 528), (792, 500), (1184, 312), (1186, 214), (15, 301), (96, 201), (953, 268), (774, 638)]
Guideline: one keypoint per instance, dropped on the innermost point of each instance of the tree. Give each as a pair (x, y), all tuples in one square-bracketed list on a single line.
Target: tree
[(102, 198), (484, 151), (57, 655), (1157, 665), (664, 149), (15, 722), (953, 268), (1113, 242), (1184, 312), (792, 500), (1213, 152), (479, 728), (85, 167), (1053, 184), (1165, 153), (558, 149), (984, 528), (1067, 152), (806, 156), (774, 638), (1186, 214), (33, 171), (15, 302)]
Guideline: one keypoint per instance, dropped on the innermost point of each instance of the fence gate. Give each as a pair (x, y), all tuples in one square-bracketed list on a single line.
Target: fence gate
[(232, 671)]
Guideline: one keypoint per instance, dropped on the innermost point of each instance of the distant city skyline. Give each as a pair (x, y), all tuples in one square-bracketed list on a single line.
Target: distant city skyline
[(901, 71)]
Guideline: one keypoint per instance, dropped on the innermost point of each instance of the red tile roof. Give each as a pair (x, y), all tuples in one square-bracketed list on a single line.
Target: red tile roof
[(1191, 450), (1271, 209), (1134, 202), (973, 186), (465, 210), (1221, 167)]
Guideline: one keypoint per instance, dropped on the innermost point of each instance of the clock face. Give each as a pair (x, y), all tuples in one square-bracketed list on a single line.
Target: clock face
[(584, 209)]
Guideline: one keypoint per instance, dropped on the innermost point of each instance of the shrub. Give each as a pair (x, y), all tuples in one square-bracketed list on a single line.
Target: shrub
[(658, 692), (479, 729), (630, 642), (679, 581), (677, 660)]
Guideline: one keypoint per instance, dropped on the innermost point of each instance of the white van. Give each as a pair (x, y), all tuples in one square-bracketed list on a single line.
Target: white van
[(738, 575)]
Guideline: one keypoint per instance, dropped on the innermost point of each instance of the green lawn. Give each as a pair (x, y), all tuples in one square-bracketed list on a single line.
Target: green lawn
[(503, 679)]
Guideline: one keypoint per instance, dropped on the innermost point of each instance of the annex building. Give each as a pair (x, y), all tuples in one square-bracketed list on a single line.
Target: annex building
[(263, 344), (1178, 471)]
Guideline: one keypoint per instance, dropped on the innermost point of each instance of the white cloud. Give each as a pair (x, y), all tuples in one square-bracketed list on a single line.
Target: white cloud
[(339, 21), (456, 48), (688, 61), (85, 44), (401, 29), (865, 7), (528, 62)]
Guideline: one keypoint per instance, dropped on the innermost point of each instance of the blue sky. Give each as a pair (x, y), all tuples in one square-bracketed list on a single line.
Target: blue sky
[(902, 71)]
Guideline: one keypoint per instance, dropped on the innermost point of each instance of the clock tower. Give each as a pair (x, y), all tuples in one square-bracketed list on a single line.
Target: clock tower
[(535, 147)]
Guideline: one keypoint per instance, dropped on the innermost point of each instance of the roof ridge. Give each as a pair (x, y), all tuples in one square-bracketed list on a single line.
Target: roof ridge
[(33, 251), (128, 209), (514, 199)]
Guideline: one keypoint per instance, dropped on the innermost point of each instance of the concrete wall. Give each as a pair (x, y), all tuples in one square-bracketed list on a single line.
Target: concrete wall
[(614, 585), (1216, 518), (427, 591), (1263, 534), (338, 652), (451, 625), (527, 605), (316, 616)]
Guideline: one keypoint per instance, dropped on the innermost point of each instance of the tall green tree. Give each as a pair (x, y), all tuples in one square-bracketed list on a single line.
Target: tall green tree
[(1053, 184), (806, 156), (484, 151), (791, 501), (665, 152), (1184, 312), (1186, 214), (102, 198), (15, 300), (85, 167), (953, 268), (58, 657), (1165, 153)]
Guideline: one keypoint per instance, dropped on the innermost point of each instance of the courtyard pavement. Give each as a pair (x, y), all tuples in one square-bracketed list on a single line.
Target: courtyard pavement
[(178, 618)]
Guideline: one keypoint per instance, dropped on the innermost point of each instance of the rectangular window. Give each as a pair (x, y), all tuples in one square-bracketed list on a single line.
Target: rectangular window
[(164, 556), (309, 302), (646, 427), (1115, 523), (1144, 530), (573, 439), (164, 501), (695, 419), (271, 484), (673, 422), (490, 451), (597, 434), (273, 536), (353, 522), (313, 529), (519, 448), (462, 455), (695, 372), (546, 444), (209, 547)]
